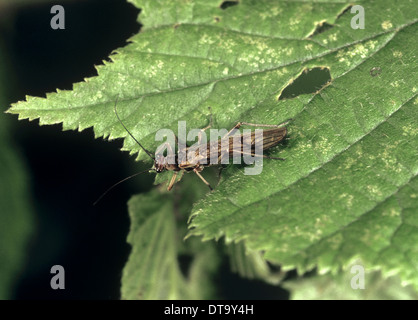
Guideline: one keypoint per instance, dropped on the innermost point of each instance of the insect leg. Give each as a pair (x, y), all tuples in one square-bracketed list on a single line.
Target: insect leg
[(285, 122), (267, 125), (199, 136), (258, 125), (201, 177), (236, 127), (239, 124), (173, 179), (210, 121)]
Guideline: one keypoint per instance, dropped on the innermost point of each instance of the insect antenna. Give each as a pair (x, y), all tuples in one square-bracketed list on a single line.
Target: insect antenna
[(117, 183), (117, 115)]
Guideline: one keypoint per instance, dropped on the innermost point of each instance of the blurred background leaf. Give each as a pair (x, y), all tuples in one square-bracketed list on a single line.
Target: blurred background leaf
[(67, 171), (161, 264), (16, 216)]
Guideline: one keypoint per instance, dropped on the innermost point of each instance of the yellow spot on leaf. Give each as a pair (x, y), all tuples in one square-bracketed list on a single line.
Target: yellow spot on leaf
[(373, 189), (206, 39), (332, 37), (308, 46), (409, 130), (395, 84), (386, 25), (394, 212), (289, 51), (397, 54)]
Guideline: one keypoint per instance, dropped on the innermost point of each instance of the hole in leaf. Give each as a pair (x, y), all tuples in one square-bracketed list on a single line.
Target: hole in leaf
[(344, 11), (217, 19), (185, 261), (324, 26), (309, 81), (375, 71), (227, 4), (321, 27)]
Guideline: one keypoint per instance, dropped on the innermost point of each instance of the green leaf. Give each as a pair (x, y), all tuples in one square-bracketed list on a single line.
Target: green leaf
[(153, 270), (348, 186)]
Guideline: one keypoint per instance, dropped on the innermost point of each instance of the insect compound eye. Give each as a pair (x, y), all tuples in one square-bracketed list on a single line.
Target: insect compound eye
[(159, 166)]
